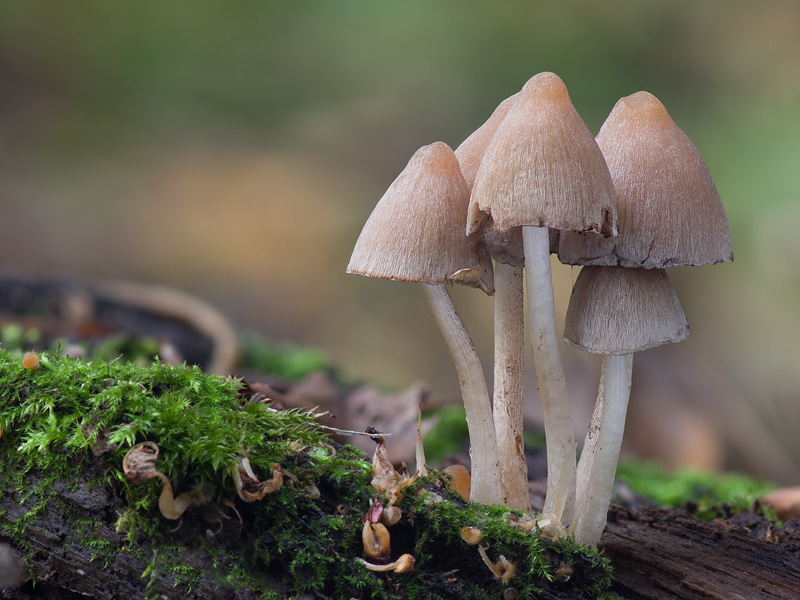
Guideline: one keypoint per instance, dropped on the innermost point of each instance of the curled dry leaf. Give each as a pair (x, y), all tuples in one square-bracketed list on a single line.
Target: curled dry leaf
[(247, 484), (385, 478), (139, 465)]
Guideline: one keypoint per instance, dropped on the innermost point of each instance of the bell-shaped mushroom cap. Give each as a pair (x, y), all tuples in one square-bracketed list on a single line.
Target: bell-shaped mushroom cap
[(670, 212), (543, 167), (417, 230), (470, 152), (618, 310)]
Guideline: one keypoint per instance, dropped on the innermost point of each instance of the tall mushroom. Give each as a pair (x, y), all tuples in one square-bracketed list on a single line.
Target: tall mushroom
[(543, 169), (670, 214), (416, 233), (615, 311), (509, 324)]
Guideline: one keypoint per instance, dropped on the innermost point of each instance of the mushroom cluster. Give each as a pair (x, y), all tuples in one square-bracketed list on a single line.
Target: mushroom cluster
[(532, 181)]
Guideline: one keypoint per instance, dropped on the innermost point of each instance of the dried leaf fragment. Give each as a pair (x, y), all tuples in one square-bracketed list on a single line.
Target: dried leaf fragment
[(139, 465), (248, 485)]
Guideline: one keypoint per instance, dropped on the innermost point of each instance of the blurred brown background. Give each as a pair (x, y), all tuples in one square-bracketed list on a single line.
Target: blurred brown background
[(234, 150)]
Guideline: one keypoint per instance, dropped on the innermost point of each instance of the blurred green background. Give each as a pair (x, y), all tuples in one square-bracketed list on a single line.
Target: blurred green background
[(234, 150)]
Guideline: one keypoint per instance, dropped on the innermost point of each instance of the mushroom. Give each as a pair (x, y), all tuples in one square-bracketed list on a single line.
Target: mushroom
[(509, 325), (504, 569), (471, 535), (402, 565), (615, 311), (30, 360), (543, 169), (416, 233), (670, 214)]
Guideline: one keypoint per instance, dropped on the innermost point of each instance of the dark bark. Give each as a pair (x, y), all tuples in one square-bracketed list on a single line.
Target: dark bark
[(64, 566), (671, 555)]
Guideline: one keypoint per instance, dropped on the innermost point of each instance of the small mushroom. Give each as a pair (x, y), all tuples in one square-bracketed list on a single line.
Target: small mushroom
[(615, 311), (471, 535), (402, 565), (504, 569), (30, 360)]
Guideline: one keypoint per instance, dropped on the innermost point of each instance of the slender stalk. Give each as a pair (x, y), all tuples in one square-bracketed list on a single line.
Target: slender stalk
[(560, 499), (509, 394), (601, 450), (485, 487)]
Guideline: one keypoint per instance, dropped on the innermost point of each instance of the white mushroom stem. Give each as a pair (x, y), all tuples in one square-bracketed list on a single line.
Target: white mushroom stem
[(509, 359), (601, 450), (485, 487), (561, 448)]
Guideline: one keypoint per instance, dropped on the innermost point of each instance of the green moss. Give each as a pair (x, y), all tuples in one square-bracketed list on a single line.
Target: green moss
[(290, 361), (706, 490), (449, 436), (73, 421)]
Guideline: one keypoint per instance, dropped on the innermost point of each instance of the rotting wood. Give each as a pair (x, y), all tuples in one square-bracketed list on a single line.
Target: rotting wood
[(671, 555)]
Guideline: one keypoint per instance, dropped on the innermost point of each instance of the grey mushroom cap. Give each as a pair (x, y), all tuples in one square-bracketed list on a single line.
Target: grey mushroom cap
[(543, 167), (670, 212), (416, 232), (618, 310)]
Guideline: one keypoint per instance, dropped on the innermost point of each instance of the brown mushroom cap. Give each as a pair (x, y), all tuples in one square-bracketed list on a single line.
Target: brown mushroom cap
[(543, 167), (470, 152), (617, 310), (417, 230), (670, 212)]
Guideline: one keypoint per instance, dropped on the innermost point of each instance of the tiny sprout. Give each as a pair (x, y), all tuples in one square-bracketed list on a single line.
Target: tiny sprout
[(564, 571), (504, 570), (471, 535), (402, 565), (30, 360)]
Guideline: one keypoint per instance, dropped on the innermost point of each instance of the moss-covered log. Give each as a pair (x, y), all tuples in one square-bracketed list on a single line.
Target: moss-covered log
[(82, 527)]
